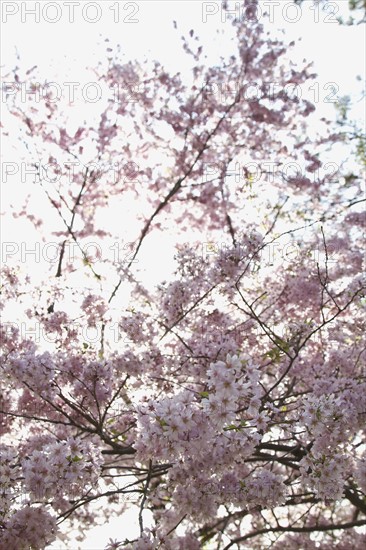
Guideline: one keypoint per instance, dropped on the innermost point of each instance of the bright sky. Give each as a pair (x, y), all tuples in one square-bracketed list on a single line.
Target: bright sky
[(62, 51)]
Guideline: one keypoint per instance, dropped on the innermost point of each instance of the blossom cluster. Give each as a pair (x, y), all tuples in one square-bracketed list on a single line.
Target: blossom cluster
[(325, 474), (29, 527), (95, 308), (10, 474), (36, 371), (70, 466), (60, 471), (327, 419)]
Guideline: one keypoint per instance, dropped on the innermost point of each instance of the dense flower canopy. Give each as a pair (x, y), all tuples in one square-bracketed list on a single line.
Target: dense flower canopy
[(228, 399)]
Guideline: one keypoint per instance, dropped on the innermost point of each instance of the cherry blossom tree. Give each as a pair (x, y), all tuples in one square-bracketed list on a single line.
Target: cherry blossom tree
[(225, 404)]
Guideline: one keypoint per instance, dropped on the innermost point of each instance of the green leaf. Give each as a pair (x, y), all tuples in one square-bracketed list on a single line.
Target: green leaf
[(161, 421), (230, 427), (76, 458)]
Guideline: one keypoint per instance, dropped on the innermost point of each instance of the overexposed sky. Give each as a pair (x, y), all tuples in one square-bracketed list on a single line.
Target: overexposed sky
[(64, 49)]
